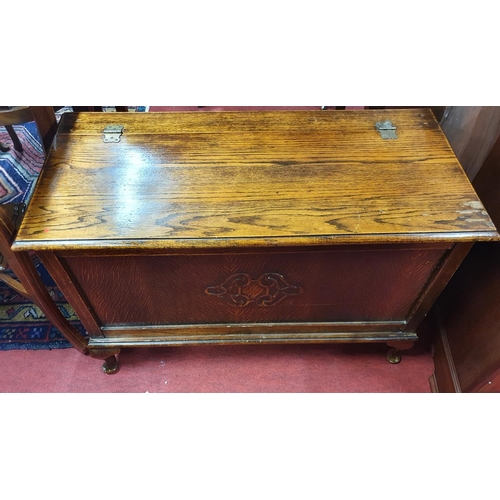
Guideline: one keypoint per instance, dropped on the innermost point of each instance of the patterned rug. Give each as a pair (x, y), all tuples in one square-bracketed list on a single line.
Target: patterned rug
[(22, 324), (19, 170)]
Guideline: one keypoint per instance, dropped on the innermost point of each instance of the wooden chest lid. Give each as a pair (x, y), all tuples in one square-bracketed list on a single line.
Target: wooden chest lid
[(250, 179)]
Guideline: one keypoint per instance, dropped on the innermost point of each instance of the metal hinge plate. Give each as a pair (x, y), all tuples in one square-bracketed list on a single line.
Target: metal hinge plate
[(386, 130), (112, 133)]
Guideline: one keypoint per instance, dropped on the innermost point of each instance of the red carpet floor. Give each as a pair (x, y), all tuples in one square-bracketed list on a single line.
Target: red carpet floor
[(334, 368)]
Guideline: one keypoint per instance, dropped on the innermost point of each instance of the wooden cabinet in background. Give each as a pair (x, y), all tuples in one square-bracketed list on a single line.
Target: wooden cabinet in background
[(467, 315)]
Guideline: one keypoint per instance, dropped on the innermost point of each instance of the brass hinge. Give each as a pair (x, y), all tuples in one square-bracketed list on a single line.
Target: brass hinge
[(112, 133), (386, 130)]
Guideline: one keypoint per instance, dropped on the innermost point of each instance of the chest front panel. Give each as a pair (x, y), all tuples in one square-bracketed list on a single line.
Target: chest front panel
[(355, 284)]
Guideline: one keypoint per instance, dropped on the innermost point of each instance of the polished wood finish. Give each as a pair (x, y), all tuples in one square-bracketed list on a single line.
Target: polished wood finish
[(258, 179), (289, 226)]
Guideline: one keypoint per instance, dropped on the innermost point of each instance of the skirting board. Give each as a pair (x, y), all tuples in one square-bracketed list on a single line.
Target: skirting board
[(445, 378)]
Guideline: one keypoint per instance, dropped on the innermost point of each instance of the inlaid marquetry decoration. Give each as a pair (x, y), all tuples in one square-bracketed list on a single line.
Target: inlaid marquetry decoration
[(241, 290)]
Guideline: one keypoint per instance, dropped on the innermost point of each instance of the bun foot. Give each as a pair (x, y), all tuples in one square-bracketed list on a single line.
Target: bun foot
[(393, 356), (394, 353), (110, 365)]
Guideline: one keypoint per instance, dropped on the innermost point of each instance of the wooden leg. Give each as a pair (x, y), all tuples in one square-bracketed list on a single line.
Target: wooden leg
[(31, 285), (17, 143), (393, 354), (111, 364)]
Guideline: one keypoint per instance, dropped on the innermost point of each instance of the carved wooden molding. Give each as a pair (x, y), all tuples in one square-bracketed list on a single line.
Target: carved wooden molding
[(241, 290)]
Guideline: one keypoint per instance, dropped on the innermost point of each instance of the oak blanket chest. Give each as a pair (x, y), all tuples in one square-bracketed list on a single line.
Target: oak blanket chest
[(284, 226)]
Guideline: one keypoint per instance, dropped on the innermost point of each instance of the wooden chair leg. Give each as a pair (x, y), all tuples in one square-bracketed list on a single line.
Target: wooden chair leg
[(46, 122), (17, 143), (31, 283), (43, 116), (14, 284)]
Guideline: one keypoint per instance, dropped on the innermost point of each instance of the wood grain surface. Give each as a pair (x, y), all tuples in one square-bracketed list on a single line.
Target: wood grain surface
[(252, 179), (358, 284)]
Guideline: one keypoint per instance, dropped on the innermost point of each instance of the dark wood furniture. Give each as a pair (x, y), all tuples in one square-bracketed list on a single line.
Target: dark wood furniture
[(467, 315), (299, 226), (30, 284), (43, 116), (471, 132)]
